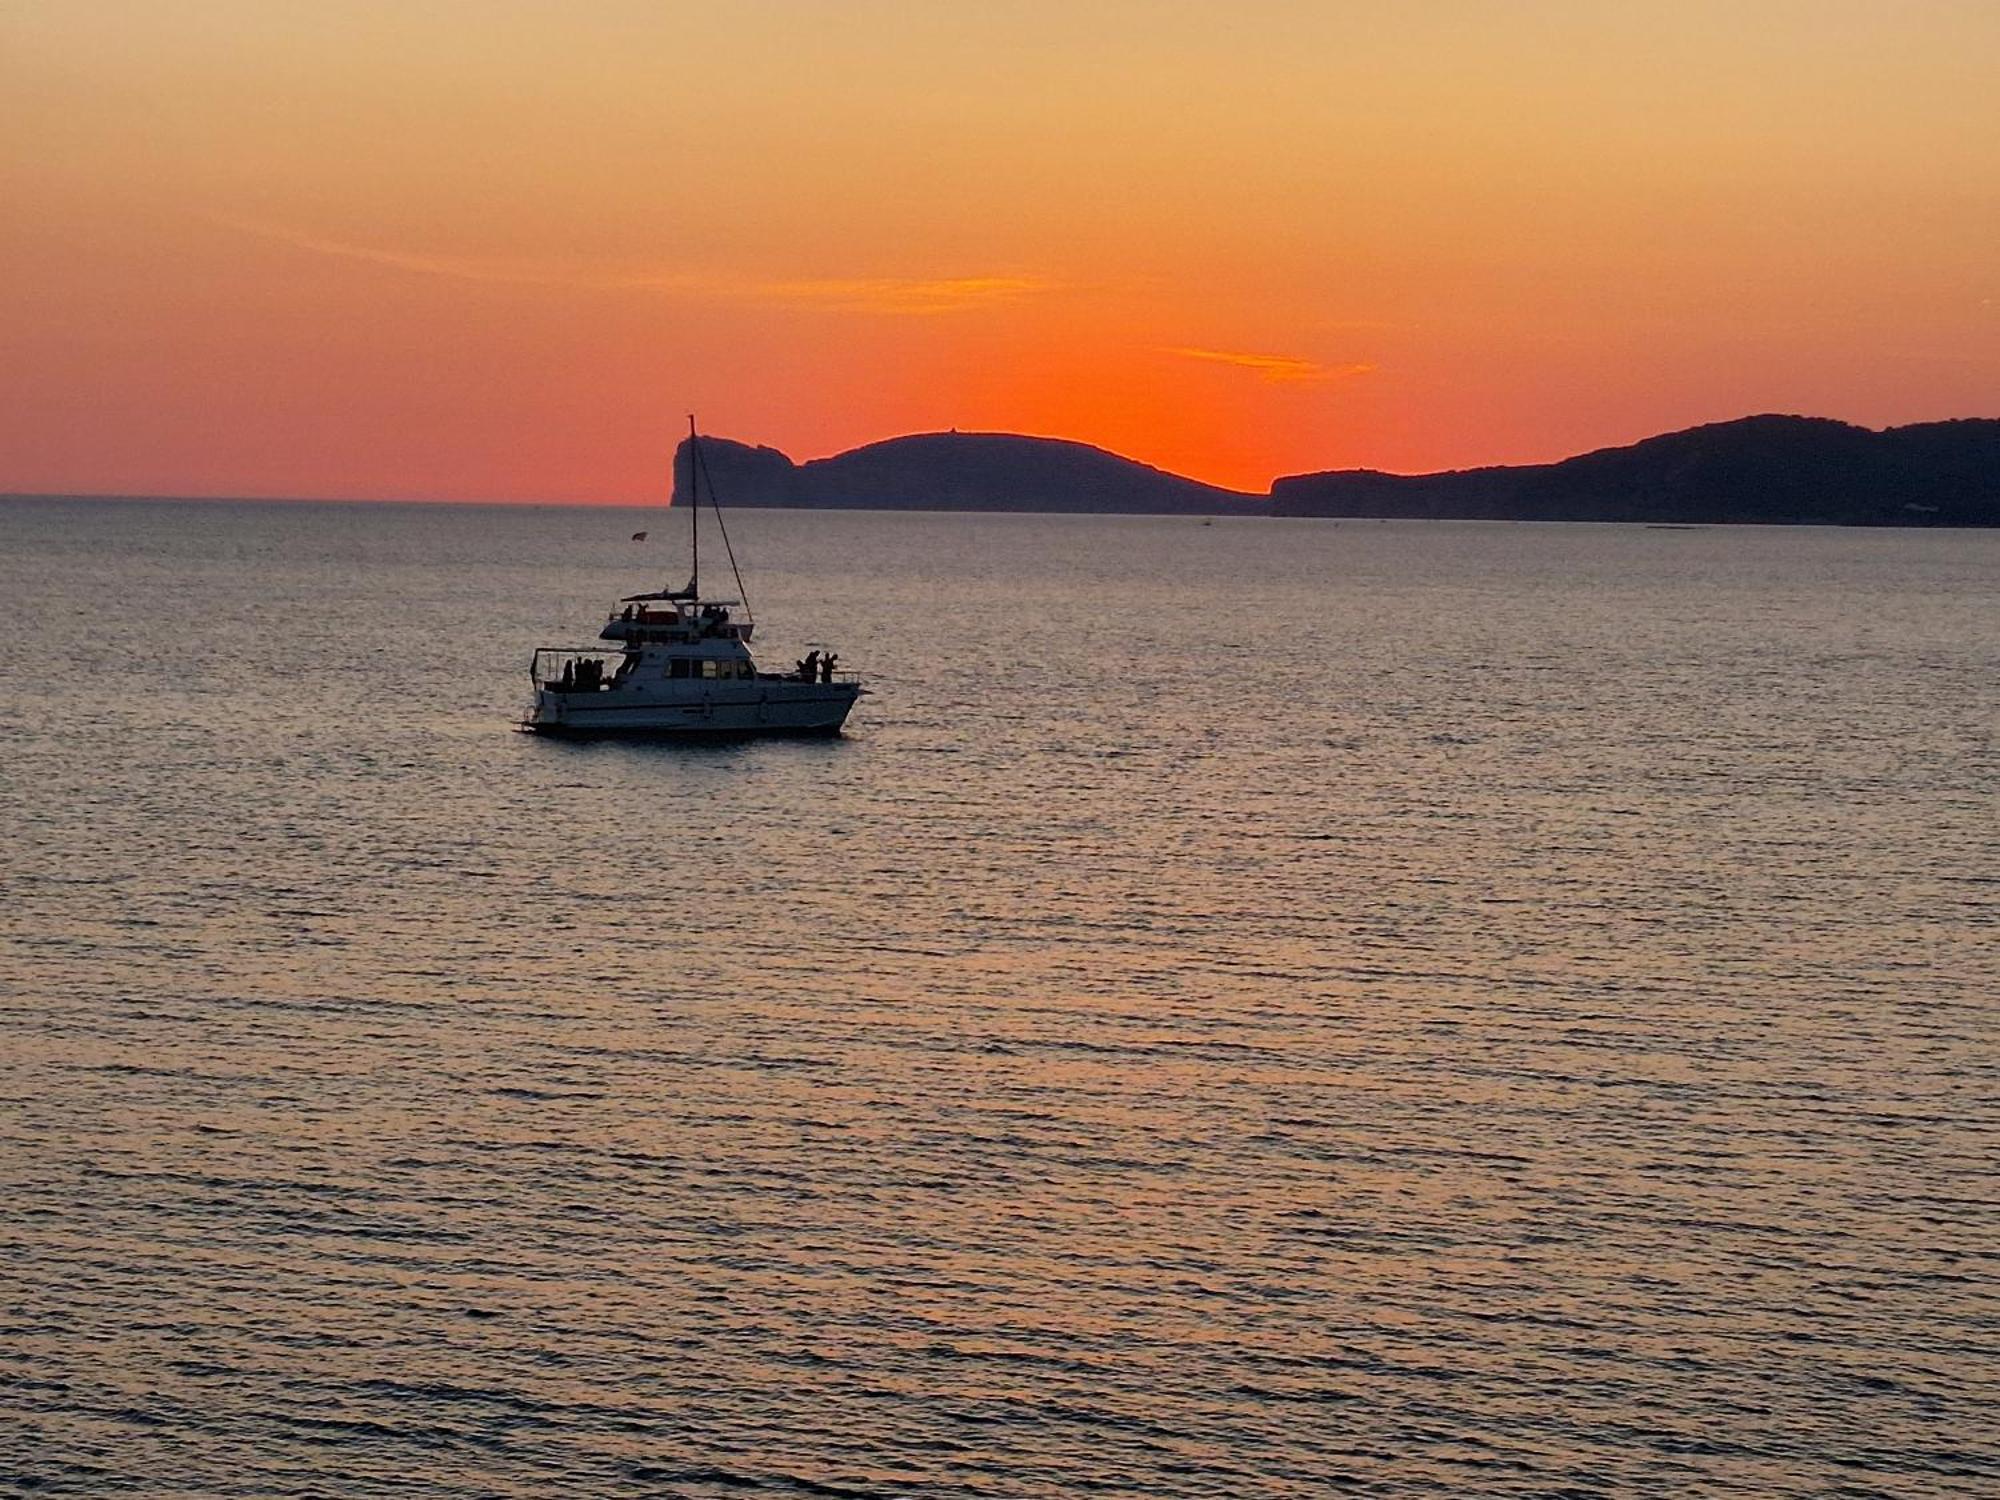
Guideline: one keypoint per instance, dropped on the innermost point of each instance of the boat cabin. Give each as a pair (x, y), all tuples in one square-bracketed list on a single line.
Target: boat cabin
[(685, 643), (664, 617)]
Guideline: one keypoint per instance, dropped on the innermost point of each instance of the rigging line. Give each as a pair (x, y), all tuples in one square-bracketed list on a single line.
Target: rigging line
[(721, 526)]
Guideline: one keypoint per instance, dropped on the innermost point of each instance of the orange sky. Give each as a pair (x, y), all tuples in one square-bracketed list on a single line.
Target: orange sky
[(496, 250)]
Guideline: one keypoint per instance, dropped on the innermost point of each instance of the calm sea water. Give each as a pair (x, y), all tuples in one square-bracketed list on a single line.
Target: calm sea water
[(1258, 1009)]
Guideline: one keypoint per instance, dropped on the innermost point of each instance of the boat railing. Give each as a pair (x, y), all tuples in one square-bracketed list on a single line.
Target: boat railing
[(545, 667), (668, 628), (852, 679)]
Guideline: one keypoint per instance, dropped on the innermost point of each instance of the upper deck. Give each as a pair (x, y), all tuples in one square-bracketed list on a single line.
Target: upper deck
[(666, 619)]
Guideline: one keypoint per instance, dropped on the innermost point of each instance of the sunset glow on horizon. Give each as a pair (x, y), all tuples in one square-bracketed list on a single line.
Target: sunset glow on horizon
[(498, 250)]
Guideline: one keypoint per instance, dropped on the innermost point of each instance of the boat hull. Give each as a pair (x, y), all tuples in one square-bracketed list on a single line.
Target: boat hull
[(678, 732), (784, 710)]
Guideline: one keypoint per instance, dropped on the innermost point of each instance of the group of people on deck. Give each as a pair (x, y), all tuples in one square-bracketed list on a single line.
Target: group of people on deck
[(583, 675), (813, 667)]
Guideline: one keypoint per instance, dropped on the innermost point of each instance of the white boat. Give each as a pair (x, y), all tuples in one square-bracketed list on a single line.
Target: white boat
[(682, 668)]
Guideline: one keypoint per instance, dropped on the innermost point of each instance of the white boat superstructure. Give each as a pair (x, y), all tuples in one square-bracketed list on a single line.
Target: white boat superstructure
[(682, 667)]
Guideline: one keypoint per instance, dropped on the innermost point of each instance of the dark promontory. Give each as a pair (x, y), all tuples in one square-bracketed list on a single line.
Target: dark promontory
[(1768, 470), (958, 471)]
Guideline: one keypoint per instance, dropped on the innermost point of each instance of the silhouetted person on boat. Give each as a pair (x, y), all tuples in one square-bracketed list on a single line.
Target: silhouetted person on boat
[(826, 667), (569, 676), (809, 668)]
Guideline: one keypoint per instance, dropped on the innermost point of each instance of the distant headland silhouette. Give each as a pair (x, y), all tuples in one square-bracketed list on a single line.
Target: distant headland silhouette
[(1772, 470), (959, 471)]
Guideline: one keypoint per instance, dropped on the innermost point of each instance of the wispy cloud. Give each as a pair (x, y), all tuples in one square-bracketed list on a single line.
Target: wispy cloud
[(1273, 367), (892, 295), (906, 296), (463, 268)]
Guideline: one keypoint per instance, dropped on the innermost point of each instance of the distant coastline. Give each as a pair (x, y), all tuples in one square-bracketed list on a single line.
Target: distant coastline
[(1763, 470), (1766, 470)]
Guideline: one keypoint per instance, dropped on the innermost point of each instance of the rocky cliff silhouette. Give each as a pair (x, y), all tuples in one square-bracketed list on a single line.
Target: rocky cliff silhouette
[(1771, 470), (1766, 469), (958, 471)]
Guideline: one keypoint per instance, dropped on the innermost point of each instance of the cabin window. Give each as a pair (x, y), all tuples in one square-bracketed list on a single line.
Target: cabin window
[(709, 669)]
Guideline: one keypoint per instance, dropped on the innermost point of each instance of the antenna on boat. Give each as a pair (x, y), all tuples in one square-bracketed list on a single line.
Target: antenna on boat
[(698, 471)]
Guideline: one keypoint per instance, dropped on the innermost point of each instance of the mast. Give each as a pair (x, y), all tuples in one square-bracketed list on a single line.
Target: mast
[(698, 470), (694, 506)]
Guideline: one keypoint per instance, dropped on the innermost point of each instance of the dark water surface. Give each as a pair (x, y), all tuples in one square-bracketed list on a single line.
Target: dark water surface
[(1262, 1009)]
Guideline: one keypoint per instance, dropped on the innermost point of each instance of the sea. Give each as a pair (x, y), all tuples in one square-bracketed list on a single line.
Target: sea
[(1266, 1008)]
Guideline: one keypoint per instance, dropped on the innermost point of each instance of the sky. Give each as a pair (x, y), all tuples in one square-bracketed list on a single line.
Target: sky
[(487, 250)]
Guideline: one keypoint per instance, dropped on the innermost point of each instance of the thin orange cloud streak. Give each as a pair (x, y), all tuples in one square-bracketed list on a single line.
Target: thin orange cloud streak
[(1274, 367), (463, 268), (890, 294), (901, 296)]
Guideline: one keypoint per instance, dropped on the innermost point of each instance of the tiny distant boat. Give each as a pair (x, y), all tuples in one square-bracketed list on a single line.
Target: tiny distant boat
[(682, 668)]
